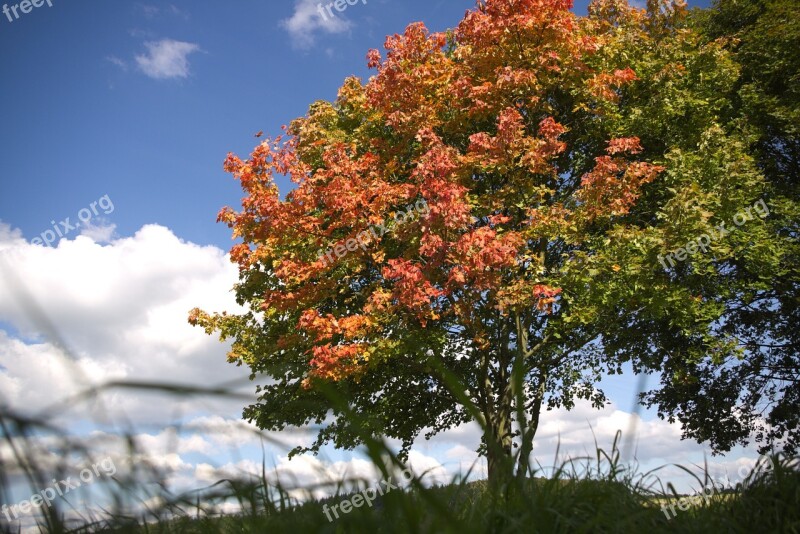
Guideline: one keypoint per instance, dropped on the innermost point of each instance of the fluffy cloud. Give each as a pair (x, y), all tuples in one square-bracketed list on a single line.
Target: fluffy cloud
[(166, 59), (99, 232), (307, 21), (113, 312)]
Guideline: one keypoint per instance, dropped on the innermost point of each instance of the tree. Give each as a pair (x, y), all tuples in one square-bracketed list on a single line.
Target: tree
[(763, 34), (756, 395), (475, 232)]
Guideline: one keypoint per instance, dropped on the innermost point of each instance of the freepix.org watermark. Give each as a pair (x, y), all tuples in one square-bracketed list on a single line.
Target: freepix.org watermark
[(339, 5), (366, 496), (374, 233), (719, 232), (48, 237), (763, 465), (59, 488), (25, 7)]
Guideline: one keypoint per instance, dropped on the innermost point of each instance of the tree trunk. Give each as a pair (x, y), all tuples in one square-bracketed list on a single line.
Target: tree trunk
[(498, 448), (530, 427), (501, 394), (497, 434)]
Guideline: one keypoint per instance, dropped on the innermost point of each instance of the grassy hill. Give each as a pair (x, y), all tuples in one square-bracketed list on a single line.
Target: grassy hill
[(768, 503)]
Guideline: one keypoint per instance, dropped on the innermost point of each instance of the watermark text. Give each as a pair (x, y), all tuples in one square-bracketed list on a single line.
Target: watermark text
[(59, 488)]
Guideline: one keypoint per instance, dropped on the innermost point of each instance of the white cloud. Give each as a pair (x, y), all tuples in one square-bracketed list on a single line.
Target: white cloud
[(99, 232), (307, 21), (166, 59), (227, 433), (428, 468), (10, 236), (122, 310)]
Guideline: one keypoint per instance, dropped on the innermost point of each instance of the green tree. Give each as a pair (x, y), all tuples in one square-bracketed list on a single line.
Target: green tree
[(756, 395)]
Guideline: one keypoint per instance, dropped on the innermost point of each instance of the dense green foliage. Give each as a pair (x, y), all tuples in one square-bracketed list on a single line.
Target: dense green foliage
[(757, 394)]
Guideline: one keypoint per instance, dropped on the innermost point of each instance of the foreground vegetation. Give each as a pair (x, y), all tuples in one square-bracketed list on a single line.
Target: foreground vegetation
[(590, 494), (589, 500)]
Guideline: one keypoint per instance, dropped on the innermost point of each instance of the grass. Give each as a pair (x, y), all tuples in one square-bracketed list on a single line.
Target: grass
[(769, 504), (581, 495)]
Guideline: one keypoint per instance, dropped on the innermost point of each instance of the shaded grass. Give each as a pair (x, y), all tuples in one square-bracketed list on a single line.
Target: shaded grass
[(543, 505)]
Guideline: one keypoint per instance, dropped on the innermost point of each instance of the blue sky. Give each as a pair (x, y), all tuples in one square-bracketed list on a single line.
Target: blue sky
[(84, 114), (125, 111), (84, 118)]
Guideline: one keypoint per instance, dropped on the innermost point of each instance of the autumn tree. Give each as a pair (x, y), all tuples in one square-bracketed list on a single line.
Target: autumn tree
[(550, 160)]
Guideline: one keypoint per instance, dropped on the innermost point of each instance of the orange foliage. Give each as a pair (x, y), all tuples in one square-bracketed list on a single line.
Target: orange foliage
[(464, 123)]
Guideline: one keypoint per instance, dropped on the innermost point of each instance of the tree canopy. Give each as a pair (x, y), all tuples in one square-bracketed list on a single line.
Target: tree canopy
[(494, 220), (755, 395)]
